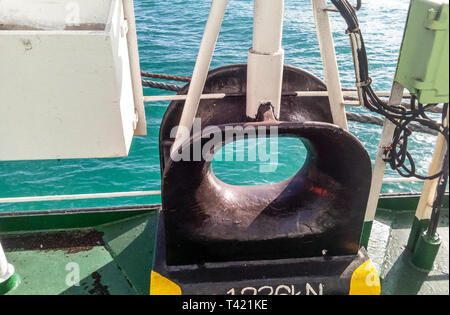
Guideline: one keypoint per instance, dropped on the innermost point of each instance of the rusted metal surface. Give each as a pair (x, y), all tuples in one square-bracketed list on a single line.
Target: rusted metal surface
[(71, 242)]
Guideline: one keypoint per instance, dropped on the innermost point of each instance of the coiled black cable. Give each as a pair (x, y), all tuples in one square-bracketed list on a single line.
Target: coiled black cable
[(397, 154)]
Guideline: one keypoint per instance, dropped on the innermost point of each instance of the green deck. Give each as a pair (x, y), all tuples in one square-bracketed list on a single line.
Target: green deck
[(116, 260), (387, 249), (114, 250)]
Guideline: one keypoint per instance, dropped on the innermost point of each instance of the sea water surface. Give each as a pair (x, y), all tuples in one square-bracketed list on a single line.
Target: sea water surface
[(169, 33)]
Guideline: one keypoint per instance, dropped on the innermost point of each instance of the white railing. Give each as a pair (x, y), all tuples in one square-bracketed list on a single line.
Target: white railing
[(217, 96), (402, 180), (129, 194), (81, 196)]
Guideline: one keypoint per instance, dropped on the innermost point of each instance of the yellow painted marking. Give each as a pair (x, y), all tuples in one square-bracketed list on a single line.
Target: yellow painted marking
[(365, 280), (160, 285)]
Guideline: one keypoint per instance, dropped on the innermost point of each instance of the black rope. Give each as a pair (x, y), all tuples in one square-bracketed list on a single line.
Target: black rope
[(161, 85), (397, 154), (170, 77)]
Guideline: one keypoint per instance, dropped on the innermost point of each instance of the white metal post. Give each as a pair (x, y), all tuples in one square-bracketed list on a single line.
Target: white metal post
[(380, 165), (6, 270), (429, 189), (201, 69), (330, 67), (266, 57), (425, 205)]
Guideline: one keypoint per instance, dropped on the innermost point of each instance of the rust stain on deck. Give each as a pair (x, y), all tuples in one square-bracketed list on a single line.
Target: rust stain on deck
[(70, 242)]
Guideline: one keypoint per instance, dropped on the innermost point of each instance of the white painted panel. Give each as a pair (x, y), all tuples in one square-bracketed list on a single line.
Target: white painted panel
[(66, 94), (53, 14), (123, 73)]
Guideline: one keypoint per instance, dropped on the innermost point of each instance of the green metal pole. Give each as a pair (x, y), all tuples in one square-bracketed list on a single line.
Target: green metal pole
[(428, 244)]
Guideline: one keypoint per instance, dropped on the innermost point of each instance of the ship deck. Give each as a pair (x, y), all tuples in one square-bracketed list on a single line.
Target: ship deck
[(114, 249)]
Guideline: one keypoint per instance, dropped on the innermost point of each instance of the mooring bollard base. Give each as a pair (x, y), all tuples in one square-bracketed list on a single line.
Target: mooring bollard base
[(425, 252), (326, 275)]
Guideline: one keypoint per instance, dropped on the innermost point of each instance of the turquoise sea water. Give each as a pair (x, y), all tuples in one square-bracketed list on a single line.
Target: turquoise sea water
[(169, 33)]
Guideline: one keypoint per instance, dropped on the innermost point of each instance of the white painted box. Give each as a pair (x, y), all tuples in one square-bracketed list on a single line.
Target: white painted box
[(66, 86)]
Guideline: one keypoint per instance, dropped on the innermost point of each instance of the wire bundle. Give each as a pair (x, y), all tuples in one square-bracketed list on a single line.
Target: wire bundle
[(397, 154)]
